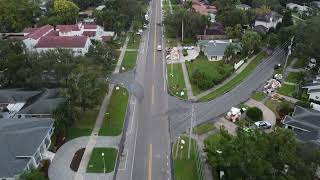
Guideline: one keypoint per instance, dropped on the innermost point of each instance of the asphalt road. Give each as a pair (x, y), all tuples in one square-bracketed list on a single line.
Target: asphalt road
[(179, 111), (150, 140)]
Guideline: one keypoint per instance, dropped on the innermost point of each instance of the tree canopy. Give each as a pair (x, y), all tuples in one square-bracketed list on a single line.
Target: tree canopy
[(258, 155), (307, 38), (16, 15), (251, 41)]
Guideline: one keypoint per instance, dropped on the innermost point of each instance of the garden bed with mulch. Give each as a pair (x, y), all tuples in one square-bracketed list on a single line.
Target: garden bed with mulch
[(77, 159)]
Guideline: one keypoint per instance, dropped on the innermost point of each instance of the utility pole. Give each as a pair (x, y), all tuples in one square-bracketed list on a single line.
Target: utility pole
[(182, 29), (190, 133), (289, 53)]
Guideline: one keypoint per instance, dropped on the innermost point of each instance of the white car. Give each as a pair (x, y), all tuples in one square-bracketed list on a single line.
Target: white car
[(263, 124), (139, 32), (159, 48), (145, 26)]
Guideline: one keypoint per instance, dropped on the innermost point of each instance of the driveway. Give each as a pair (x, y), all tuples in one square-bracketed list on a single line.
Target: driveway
[(59, 168), (268, 115)]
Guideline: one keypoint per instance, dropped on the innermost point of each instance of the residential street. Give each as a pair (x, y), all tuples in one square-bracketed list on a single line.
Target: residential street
[(148, 140)]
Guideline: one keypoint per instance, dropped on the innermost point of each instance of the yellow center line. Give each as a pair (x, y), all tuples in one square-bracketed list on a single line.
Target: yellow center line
[(150, 163), (152, 95)]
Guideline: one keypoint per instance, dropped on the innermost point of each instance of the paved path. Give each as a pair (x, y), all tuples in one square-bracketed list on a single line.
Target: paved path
[(268, 115), (228, 125), (186, 76), (238, 71), (61, 162), (59, 168)]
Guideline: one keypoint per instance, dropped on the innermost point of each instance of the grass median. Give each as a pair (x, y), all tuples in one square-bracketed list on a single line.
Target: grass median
[(129, 60), (184, 168), (116, 113), (101, 164), (235, 81), (176, 81)]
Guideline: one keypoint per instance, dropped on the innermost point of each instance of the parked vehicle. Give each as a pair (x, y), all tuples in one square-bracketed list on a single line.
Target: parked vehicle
[(263, 124)]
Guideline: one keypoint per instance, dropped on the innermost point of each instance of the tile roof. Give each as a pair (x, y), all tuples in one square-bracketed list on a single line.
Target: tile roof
[(90, 26), (89, 33), (62, 42), (67, 28), (20, 137), (39, 32)]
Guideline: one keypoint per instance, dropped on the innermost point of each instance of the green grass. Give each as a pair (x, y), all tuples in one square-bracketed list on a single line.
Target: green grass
[(116, 113), (134, 41), (96, 163), (203, 128), (212, 140), (235, 81), (184, 168), (300, 63), (216, 71), (294, 77), (273, 105), (84, 125), (176, 82), (259, 96), (129, 60), (287, 90)]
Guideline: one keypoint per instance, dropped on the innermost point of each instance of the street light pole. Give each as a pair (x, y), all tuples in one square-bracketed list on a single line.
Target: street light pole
[(289, 53), (104, 163)]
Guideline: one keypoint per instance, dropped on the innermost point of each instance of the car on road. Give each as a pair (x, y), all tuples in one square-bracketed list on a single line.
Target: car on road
[(159, 48), (145, 26), (263, 124)]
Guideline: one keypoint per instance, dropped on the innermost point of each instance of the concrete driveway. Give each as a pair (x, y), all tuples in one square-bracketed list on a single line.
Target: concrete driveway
[(268, 115)]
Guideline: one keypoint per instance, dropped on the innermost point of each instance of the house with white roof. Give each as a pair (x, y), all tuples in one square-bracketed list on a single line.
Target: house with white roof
[(243, 7), (313, 90), (296, 7), (267, 21)]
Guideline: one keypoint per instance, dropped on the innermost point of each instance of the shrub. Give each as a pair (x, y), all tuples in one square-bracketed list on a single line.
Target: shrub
[(201, 80), (254, 114), (184, 52), (304, 104), (285, 108)]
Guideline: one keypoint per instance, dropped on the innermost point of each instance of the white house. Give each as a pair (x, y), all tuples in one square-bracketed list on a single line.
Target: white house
[(297, 7), (24, 144), (74, 37), (243, 7), (79, 45), (214, 49), (269, 20)]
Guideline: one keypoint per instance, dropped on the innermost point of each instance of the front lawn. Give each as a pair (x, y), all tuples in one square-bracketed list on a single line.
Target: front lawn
[(129, 60), (176, 81), (98, 162), (287, 90), (84, 125), (184, 168), (235, 81), (259, 96), (212, 140), (134, 41), (203, 128), (116, 113), (300, 63), (274, 105), (294, 77), (214, 71)]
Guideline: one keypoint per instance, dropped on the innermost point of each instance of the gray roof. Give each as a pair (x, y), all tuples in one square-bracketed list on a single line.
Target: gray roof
[(16, 95), (308, 120), (45, 104), (261, 29), (274, 16), (20, 137), (214, 47), (314, 91)]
